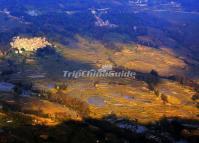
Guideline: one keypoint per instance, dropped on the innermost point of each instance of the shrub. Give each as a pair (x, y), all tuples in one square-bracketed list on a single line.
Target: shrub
[(71, 102), (61, 86), (195, 97), (151, 86), (181, 79), (164, 98), (156, 91)]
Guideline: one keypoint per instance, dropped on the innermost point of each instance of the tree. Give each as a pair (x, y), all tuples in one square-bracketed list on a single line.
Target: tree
[(152, 80), (157, 92), (164, 98), (154, 73), (195, 97)]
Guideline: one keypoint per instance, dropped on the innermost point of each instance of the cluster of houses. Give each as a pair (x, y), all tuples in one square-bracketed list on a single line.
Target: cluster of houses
[(28, 44), (99, 21)]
